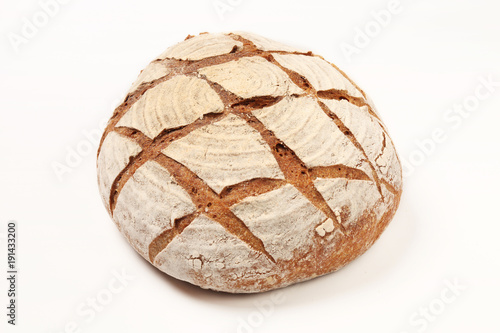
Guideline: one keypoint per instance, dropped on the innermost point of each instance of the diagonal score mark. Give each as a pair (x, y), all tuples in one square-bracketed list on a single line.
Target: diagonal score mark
[(251, 46), (384, 146), (345, 76), (390, 187), (136, 135), (257, 102), (209, 203), (165, 237), (338, 171), (339, 95), (233, 194)]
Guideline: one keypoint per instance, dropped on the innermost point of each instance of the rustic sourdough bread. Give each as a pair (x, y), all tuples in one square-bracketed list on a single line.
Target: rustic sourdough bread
[(242, 165)]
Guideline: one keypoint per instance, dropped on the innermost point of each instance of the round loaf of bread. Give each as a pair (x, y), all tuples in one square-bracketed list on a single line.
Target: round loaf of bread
[(240, 164)]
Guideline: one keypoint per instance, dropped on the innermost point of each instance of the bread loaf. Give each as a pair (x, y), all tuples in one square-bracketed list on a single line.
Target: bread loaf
[(242, 165)]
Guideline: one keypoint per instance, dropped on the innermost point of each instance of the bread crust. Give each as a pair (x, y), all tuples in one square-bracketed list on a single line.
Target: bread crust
[(241, 165)]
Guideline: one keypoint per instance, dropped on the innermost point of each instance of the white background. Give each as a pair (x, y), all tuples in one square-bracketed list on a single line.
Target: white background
[(68, 76)]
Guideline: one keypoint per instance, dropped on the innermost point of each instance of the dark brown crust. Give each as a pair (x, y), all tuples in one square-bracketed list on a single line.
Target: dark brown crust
[(233, 194), (306, 263), (162, 240), (338, 171), (340, 95)]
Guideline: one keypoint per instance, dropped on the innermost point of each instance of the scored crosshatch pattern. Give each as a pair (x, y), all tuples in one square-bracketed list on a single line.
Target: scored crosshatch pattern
[(215, 204)]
